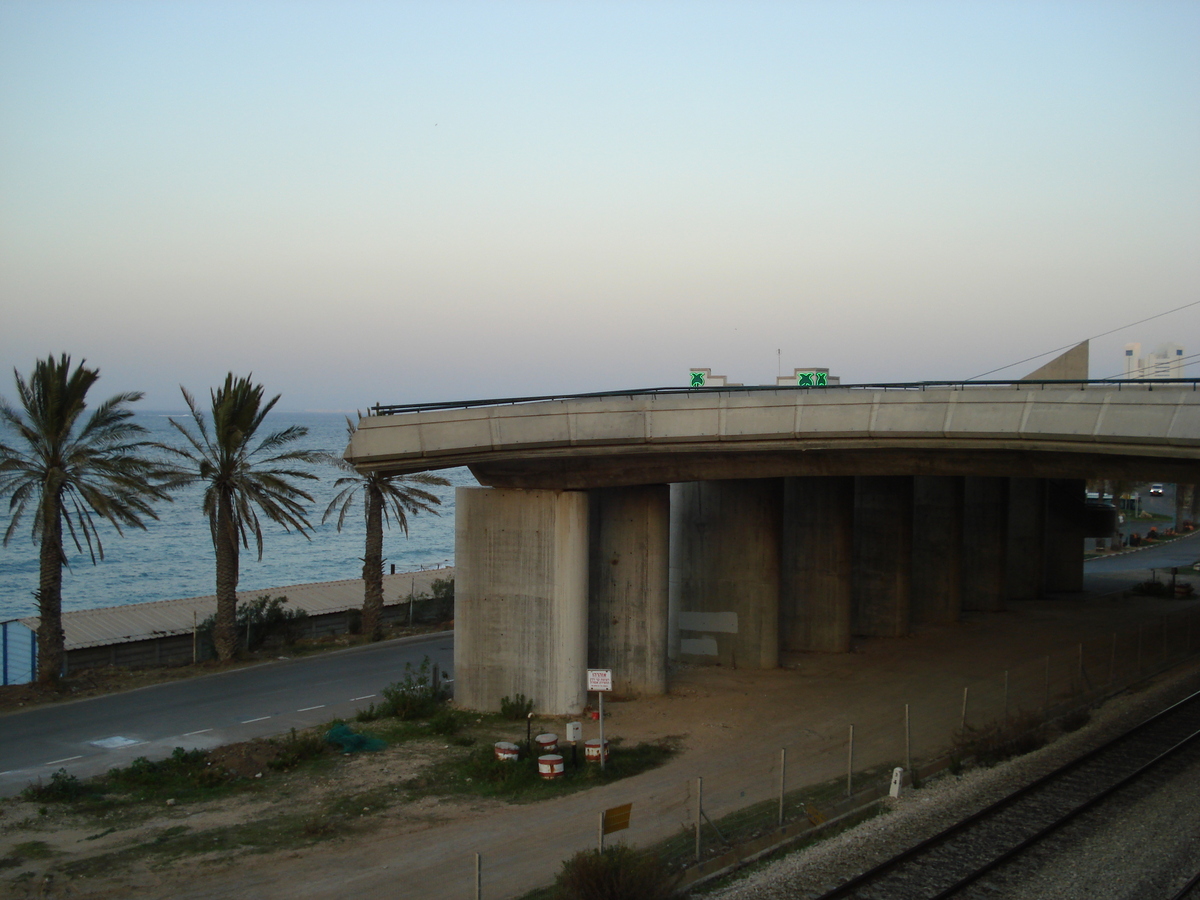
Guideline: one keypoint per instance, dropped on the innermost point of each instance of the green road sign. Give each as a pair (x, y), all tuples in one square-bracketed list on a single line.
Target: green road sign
[(697, 379), (812, 379)]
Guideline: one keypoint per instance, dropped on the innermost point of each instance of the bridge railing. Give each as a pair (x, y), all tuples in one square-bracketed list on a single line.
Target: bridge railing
[(1119, 383)]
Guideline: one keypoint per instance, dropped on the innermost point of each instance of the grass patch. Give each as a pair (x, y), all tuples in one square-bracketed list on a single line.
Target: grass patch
[(479, 772)]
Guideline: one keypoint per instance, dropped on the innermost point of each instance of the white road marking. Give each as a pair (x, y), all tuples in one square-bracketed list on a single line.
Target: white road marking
[(201, 731), (259, 719), (55, 762), (307, 708), (356, 699)]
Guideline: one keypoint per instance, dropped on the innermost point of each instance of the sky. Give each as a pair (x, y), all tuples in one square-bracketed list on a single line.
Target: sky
[(399, 202)]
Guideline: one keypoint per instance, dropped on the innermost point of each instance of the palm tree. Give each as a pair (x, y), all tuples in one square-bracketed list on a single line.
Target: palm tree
[(384, 496), (66, 471), (241, 476)]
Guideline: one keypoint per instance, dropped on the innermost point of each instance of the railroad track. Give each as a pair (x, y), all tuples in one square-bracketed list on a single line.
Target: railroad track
[(950, 863)]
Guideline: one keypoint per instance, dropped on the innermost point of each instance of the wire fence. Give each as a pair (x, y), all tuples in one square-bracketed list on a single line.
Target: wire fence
[(755, 796)]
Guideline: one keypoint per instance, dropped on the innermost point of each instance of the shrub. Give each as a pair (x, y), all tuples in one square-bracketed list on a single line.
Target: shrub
[(515, 708), (445, 721), (63, 788), (413, 697), (257, 621), (614, 873)]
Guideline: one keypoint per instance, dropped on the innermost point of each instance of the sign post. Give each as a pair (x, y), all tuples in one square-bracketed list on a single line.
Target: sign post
[(600, 681)]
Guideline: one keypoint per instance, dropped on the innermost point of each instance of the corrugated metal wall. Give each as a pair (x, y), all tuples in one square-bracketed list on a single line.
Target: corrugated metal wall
[(18, 653)]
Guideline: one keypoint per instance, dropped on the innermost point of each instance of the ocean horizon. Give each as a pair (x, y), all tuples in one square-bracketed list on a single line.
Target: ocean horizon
[(173, 558)]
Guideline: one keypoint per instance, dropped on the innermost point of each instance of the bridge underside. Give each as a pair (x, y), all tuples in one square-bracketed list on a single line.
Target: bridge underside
[(667, 464), (550, 582)]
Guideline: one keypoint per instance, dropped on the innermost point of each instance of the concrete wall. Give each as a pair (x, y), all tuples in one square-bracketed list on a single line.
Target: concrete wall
[(985, 543), (1026, 538), (1065, 533), (727, 559), (937, 568), (816, 558), (627, 606), (883, 523), (521, 588)]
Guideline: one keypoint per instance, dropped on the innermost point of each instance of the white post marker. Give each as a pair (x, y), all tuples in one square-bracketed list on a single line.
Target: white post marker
[(897, 781), (600, 681)]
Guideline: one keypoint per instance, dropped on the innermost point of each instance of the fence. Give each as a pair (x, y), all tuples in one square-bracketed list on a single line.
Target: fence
[(764, 796), (18, 653)]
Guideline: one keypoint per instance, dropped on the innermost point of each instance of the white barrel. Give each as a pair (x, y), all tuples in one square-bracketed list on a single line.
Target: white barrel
[(550, 765), (546, 743), (591, 750), (507, 751)]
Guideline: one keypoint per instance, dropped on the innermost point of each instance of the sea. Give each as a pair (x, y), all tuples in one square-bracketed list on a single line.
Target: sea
[(174, 558)]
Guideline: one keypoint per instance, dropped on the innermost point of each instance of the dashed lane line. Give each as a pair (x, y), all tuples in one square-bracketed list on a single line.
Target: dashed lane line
[(307, 708), (259, 719), (201, 731), (356, 699), (55, 762)]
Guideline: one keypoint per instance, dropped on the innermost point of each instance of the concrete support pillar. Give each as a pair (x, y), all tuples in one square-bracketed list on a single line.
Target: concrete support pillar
[(883, 520), (1184, 500), (1065, 533), (985, 543), (627, 604), (817, 560), (727, 566), (1026, 537), (520, 604), (937, 571)]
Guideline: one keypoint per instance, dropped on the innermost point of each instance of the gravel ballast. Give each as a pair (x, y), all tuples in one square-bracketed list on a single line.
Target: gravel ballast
[(1146, 850)]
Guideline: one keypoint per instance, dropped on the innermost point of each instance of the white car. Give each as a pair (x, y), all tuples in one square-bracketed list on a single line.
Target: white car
[(1156, 489)]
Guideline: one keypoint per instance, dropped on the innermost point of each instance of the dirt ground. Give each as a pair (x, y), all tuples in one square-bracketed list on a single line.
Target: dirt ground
[(722, 717)]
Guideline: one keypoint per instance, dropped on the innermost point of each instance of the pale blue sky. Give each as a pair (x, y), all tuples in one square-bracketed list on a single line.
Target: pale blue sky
[(368, 201)]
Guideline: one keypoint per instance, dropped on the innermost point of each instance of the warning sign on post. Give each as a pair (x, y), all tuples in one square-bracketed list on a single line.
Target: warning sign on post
[(599, 679)]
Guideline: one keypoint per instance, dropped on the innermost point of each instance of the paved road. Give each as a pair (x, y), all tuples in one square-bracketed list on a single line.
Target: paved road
[(88, 737)]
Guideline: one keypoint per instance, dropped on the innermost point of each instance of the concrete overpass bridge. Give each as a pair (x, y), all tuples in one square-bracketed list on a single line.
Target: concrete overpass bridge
[(730, 525)]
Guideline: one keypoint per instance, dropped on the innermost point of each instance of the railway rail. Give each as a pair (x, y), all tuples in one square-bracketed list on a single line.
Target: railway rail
[(951, 863)]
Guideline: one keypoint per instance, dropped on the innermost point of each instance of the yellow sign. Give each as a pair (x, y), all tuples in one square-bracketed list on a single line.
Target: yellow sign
[(617, 818)]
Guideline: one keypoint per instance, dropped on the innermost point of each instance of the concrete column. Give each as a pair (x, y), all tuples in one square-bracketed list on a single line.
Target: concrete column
[(1184, 498), (1026, 537), (520, 604), (1065, 533), (727, 559), (937, 573), (627, 603), (817, 559), (985, 543), (883, 520)]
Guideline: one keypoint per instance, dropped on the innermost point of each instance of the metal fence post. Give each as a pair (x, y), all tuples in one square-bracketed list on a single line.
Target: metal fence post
[(963, 727), (907, 743), (1112, 661), (1046, 701), (782, 780), (850, 765), (699, 812), (478, 877)]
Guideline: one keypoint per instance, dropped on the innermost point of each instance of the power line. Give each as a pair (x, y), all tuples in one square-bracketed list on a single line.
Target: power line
[(1092, 338)]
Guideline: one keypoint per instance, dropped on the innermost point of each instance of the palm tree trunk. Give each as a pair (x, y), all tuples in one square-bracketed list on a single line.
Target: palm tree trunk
[(373, 565), (226, 547), (51, 559)]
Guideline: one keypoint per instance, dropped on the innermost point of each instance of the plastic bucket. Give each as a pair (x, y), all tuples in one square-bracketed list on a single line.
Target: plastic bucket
[(550, 765), (507, 751)]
